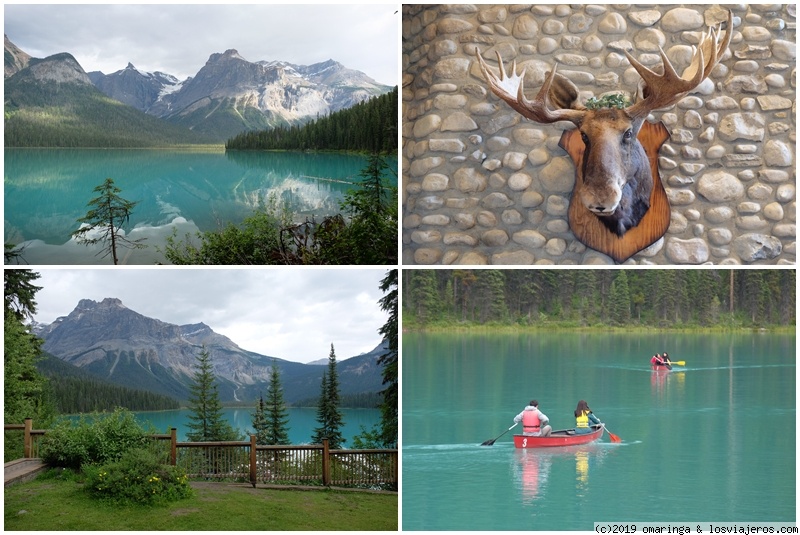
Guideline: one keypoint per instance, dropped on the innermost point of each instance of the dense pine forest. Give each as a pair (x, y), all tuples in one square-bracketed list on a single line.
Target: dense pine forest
[(74, 395), (676, 298), (73, 390), (369, 126)]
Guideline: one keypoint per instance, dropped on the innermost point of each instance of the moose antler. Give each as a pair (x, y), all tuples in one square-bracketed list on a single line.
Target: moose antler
[(665, 90), (510, 89)]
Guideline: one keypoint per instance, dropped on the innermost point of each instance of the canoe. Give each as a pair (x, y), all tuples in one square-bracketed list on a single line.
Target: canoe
[(661, 367), (564, 437)]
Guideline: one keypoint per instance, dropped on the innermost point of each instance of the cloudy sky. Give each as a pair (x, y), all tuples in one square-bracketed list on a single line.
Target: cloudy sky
[(293, 314), (178, 39)]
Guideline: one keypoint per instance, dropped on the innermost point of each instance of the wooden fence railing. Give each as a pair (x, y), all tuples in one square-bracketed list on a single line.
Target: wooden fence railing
[(31, 437), (312, 464)]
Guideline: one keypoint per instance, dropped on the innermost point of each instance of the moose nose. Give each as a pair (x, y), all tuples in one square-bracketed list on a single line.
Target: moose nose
[(600, 209)]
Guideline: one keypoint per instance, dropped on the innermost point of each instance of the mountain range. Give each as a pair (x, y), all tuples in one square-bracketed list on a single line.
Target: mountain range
[(117, 344), (227, 96)]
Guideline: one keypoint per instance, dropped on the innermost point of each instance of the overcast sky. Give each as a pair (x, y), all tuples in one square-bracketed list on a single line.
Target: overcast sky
[(178, 39), (293, 314)]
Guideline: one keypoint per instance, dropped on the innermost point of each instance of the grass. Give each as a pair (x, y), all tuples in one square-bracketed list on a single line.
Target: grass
[(59, 503)]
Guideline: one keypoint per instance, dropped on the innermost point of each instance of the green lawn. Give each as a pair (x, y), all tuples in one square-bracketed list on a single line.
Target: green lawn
[(60, 504)]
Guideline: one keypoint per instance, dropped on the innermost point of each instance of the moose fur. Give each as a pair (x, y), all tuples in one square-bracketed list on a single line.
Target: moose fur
[(616, 171)]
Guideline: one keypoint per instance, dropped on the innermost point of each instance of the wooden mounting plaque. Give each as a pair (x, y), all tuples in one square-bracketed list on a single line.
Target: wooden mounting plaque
[(590, 230)]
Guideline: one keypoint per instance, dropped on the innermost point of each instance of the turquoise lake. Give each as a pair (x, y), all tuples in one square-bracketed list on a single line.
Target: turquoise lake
[(712, 441), (47, 191), (302, 422)]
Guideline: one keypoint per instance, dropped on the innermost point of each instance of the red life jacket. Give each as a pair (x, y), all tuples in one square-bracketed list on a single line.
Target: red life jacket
[(530, 421)]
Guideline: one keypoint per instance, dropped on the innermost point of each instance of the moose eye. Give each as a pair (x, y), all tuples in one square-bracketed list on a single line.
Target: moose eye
[(628, 135), (585, 138)]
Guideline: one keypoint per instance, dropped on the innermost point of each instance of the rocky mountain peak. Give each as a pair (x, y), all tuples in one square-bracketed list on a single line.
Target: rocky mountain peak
[(227, 55), (134, 87), (15, 59), (108, 302), (61, 68)]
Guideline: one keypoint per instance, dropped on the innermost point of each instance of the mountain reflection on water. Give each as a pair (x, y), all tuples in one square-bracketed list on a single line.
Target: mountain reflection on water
[(182, 191)]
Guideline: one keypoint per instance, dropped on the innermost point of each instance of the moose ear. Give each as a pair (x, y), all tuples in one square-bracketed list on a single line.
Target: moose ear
[(563, 94)]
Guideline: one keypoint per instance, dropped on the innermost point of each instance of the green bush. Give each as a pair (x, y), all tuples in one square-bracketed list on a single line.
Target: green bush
[(98, 438), (138, 477)]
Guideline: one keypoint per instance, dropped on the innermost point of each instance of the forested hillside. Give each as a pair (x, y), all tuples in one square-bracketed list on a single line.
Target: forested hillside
[(75, 390), (594, 297), (48, 114), (370, 126)]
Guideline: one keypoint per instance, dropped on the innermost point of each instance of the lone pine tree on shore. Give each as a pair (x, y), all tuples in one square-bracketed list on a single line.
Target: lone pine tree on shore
[(108, 212)]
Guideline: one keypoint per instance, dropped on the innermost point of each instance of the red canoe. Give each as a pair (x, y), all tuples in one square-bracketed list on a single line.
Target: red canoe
[(564, 437)]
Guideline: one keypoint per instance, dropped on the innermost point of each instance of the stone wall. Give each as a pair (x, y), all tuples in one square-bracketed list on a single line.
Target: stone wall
[(482, 185)]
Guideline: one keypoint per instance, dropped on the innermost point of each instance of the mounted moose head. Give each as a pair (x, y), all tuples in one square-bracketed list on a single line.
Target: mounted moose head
[(617, 178)]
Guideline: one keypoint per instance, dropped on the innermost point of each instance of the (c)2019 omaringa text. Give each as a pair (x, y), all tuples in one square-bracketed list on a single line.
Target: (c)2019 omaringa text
[(685, 528)]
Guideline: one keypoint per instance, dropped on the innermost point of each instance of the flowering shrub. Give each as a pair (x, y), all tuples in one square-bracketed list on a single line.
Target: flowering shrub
[(139, 476)]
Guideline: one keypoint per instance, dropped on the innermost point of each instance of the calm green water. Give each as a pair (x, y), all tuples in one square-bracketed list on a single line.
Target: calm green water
[(715, 442), (302, 422), (47, 190)]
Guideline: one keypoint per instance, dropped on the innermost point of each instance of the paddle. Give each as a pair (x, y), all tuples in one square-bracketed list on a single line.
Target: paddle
[(678, 363), (612, 436), (491, 442)]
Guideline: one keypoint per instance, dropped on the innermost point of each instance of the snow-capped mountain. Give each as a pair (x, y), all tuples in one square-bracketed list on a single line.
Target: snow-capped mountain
[(231, 94), (134, 87)]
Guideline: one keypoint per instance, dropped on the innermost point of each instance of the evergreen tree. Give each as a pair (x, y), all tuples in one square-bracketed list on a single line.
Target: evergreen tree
[(490, 290), (328, 415), (108, 213), (206, 422), (20, 292), (425, 295), (276, 416), (322, 411), (26, 393), (620, 299), (389, 407), (371, 234), (24, 388), (466, 278), (260, 426), (666, 294)]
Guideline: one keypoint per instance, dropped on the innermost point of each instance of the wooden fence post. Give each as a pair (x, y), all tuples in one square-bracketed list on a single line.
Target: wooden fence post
[(253, 473), (28, 447), (173, 447), (326, 463)]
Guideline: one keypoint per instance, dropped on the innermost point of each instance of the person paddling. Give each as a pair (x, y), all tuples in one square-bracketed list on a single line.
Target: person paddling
[(658, 360), (534, 421), (584, 417)]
